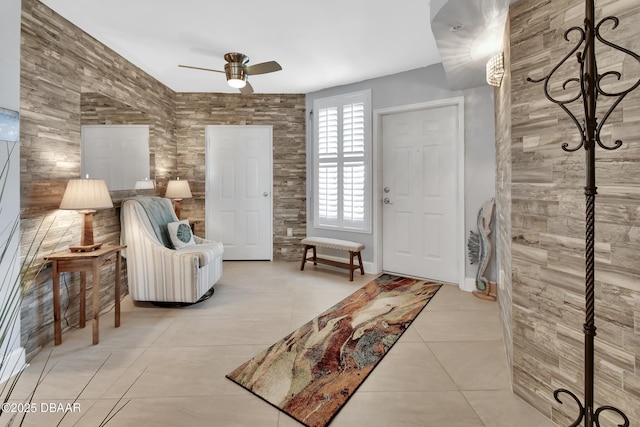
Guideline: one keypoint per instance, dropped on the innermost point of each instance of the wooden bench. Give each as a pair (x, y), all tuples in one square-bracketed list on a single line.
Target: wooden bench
[(352, 247)]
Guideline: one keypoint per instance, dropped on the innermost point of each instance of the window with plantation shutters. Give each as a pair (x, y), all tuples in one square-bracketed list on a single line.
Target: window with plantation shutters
[(342, 146)]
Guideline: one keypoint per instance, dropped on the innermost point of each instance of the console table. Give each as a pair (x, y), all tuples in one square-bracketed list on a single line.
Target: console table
[(67, 261)]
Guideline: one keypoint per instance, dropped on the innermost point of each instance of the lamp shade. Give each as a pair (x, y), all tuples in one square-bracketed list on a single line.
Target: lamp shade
[(144, 184), (86, 194), (177, 189)]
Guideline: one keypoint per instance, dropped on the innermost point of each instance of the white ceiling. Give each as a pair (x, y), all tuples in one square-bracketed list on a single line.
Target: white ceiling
[(477, 36), (318, 44)]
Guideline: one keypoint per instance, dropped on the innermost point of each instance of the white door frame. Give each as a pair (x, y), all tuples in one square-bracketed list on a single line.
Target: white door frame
[(207, 190), (377, 179)]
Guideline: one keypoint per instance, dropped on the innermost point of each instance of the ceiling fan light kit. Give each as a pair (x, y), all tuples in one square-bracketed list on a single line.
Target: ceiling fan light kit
[(235, 79), (237, 70), (237, 83)]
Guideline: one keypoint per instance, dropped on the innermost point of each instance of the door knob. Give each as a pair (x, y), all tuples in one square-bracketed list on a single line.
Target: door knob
[(265, 194), (386, 189), (386, 201)]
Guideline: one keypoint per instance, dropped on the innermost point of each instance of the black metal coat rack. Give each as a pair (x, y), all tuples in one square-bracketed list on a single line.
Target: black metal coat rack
[(590, 87)]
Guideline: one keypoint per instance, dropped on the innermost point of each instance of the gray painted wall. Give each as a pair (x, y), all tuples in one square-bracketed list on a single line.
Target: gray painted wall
[(10, 54), (10, 11), (412, 87)]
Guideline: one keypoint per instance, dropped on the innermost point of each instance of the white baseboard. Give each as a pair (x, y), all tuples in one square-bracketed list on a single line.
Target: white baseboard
[(369, 268), (469, 284), (12, 364)]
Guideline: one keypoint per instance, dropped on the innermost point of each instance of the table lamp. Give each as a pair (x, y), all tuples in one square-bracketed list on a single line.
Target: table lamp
[(144, 184), (86, 195), (178, 190)]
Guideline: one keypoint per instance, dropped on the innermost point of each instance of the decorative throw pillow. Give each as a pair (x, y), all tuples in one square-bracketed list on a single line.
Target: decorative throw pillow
[(180, 233)]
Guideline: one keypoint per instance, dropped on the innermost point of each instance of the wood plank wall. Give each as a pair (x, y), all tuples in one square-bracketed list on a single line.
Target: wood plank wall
[(59, 63), (286, 113), (543, 234), (503, 198)]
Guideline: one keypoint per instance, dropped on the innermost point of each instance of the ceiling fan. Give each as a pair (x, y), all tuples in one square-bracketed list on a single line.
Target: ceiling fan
[(238, 71)]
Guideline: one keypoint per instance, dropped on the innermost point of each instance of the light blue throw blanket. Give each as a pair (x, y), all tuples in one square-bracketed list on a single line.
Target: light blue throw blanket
[(159, 216)]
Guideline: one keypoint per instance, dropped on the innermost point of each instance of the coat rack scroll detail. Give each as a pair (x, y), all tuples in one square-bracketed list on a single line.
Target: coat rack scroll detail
[(589, 88)]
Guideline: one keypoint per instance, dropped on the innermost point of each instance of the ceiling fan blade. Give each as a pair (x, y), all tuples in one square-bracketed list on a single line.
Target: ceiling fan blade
[(247, 89), (200, 68), (263, 68)]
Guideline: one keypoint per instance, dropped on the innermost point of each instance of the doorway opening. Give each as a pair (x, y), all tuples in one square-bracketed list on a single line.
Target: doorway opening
[(238, 190), (420, 188)]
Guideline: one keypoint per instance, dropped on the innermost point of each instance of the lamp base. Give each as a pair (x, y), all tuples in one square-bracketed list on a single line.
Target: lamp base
[(176, 207), (86, 242), (85, 248)]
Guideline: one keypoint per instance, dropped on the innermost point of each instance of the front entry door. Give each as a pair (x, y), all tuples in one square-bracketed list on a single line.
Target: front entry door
[(420, 192), (238, 190)]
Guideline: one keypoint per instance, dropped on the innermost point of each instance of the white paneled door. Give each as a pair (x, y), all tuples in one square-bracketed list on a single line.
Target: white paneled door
[(239, 189), (420, 192)]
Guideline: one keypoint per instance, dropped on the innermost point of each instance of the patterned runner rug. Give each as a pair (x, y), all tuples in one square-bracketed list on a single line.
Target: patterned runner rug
[(312, 372)]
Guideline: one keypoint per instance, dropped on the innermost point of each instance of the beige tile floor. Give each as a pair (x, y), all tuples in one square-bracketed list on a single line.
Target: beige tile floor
[(166, 367)]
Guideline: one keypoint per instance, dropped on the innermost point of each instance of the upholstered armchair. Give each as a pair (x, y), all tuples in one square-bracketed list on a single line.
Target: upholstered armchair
[(165, 262)]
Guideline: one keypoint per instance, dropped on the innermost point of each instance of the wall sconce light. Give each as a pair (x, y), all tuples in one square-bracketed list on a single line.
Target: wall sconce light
[(178, 190), (86, 195), (495, 70)]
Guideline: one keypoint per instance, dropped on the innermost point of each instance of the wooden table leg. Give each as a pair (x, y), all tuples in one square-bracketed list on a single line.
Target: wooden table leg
[(83, 298), (95, 303), (57, 327), (117, 289), (360, 262)]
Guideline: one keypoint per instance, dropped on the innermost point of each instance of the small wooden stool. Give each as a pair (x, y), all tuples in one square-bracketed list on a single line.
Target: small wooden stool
[(352, 247)]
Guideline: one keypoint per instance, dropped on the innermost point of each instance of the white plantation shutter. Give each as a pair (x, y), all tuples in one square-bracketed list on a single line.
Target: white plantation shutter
[(341, 162), (353, 184), (353, 129), (328, 191), (328, 132)]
